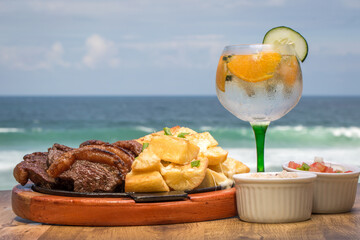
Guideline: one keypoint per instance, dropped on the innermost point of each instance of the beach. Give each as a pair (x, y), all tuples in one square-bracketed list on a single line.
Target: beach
[(318, 126)]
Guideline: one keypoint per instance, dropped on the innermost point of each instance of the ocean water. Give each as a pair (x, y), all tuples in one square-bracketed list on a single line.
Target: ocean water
[(317, 126)]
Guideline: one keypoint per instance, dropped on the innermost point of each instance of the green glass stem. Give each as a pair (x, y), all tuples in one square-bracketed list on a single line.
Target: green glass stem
[(259, 131)]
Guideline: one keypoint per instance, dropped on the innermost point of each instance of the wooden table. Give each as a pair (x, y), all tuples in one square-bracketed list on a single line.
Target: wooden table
[(321, 226)]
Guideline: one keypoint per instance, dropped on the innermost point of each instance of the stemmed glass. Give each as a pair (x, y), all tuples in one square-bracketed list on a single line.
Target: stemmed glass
[(259, 83)]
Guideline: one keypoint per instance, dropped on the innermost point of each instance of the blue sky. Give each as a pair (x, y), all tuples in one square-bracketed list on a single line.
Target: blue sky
[(164, 47)]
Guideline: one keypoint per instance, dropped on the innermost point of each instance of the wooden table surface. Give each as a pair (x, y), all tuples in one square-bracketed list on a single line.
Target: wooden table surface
[(321, 226)]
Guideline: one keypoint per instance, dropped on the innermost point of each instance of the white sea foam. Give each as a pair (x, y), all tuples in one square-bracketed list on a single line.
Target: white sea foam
[(206, 128), (145, 129), (9, 159), (11, 130), (297, 128), (350, 132), (7, 166), (37, 129)]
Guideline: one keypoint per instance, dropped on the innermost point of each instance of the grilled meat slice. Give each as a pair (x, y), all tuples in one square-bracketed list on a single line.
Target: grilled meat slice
[(64, 162), (96, 166), (34, 168), (93, 142), (130, 145), (86, 176), (123, 154), (55, 152)]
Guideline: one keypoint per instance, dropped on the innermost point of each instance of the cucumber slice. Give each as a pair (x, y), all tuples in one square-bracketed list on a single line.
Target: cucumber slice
[(286, 35)]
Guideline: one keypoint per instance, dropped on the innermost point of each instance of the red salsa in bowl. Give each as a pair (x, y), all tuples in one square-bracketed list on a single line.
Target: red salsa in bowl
[(316, 166)]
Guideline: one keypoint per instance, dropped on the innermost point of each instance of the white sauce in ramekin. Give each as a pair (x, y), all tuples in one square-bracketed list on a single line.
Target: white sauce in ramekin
[(283, 174)]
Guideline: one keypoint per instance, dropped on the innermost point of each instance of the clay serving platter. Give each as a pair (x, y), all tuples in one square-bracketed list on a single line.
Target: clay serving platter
[(122, 210)]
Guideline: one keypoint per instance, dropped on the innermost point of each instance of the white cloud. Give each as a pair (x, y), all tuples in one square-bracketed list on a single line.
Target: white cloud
[(55, 55), (194, 51), (100, 51), (187, 52), (32, 58)]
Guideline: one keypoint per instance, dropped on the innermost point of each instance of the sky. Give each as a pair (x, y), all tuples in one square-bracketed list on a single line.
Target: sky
[(161, 47)]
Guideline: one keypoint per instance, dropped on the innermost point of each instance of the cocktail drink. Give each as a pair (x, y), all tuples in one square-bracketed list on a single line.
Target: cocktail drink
[(259, 83)]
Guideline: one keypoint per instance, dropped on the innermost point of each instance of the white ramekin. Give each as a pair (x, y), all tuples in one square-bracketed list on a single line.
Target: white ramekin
[(274, 200), (333, 192)]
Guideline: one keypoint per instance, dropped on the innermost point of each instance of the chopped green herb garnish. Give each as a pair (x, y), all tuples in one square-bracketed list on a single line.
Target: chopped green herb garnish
[(303, 167), (167, 131), (228, 78), (145, 145), (195, 163), (182, 135)]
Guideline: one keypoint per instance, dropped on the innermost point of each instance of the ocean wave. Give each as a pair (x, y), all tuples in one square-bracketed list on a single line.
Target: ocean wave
[(348, 132), (7, 166), (290, 136), (9, 159), (351, 132), (241, 136), (37, 129), (318, 131), (20, 130), (207, 128), (11, 130), (145, 129), (297, 128)]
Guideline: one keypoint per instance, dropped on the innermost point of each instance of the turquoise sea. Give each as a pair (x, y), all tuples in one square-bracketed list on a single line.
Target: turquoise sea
[(317, 126)]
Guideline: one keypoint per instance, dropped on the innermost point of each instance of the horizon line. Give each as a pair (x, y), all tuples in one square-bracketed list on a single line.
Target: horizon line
[(160, 95)]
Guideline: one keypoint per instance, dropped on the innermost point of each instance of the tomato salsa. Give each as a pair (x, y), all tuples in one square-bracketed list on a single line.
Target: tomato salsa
[(317, 166)]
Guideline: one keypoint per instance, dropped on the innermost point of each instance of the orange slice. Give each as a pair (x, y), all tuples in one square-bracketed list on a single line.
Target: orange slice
[(289, 71), (254, 67), (221, 74)]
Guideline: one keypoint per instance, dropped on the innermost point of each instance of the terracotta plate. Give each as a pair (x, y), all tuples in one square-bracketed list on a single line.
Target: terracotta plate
[(121, 211)]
